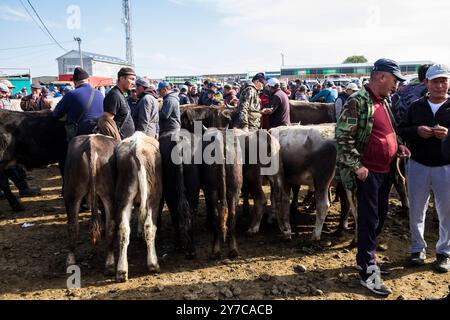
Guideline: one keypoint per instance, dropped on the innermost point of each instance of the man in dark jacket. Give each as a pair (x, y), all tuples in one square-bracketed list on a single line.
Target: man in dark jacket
[(169, 116), (193, 95), (229, 96), (403, 99), (425, 128), (116, 105), (146, 115), (184, 99), (83, 106), (35, 101), (279, 106)]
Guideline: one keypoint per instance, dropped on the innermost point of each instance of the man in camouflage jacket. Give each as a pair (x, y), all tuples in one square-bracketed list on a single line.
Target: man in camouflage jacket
[(248, 116), (368, 146)]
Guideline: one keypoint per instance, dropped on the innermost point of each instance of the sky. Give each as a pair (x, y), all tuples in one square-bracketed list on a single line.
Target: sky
[(194, 37)]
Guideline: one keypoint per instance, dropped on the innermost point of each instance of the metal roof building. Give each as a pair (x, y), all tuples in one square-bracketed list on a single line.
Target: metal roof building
[(96, 65)]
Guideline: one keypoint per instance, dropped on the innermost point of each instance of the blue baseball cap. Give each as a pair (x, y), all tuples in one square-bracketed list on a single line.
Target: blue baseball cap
[(388, 65), (163, 85)]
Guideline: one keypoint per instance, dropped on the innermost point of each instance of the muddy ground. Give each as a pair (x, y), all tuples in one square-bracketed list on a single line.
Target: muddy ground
[(32, 260)]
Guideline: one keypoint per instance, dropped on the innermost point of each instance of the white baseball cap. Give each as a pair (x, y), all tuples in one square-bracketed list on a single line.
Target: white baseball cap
[(438, 71), (352, 86), (273, 82)]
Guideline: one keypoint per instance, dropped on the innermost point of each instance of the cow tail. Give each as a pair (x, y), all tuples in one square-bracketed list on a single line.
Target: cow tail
[(143, 184), (223, 205), (96, 232), (184, 210)]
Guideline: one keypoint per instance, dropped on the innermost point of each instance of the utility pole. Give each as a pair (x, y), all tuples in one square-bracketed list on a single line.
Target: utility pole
[(78, 39), (127, 21), (282, 59)]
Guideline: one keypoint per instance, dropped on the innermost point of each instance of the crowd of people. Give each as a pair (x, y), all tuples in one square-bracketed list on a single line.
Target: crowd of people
[(385, 119)]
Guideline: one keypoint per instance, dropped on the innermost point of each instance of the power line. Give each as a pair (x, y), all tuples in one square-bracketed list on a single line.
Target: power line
[(43, 24), (34, 19), (33, 46)]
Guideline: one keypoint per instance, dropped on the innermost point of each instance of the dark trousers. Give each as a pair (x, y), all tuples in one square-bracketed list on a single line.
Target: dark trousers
[(373, 205)]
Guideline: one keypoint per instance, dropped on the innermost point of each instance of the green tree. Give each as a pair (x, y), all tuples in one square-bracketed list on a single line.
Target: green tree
[(356, 59)]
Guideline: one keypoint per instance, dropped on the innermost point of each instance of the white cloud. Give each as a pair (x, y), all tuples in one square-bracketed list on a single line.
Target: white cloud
[(11, 14)]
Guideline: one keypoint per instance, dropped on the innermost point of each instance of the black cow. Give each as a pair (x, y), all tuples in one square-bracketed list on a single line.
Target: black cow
[(32, 139)]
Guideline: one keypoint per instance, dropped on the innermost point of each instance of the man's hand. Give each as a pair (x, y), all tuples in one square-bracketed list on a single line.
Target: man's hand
[(403, 152), (425, 132), (440, 132), (362, 174), (266, 111)]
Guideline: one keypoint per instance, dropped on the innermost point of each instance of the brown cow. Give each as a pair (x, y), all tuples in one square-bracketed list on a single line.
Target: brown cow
[(210, 117), (139, 184), (265, 145), (307, 113), (222, 184), (90, 174)]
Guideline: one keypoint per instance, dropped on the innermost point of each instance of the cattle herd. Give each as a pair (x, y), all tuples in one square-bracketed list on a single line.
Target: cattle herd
[(137, 176)]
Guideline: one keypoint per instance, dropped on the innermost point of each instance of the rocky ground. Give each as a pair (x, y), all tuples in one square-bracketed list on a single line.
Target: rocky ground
[(32, 260)]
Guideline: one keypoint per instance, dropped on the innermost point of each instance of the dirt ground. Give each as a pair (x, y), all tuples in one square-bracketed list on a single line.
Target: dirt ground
[(32, 260)]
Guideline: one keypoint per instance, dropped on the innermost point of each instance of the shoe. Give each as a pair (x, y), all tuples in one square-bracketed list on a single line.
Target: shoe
[(30, 192), (442, 264), (418, 259), (29, 178), (384, 271), (376, 285), (2, 195)]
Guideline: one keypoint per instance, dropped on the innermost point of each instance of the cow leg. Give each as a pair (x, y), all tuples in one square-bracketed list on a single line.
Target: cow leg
[(258, 209), (345, 209), (72, 208), (211, 201), (110, 228), (124, 241), (246, 200), (150, 235), (294, 204), (280, 201), (4, 186), (232, 206), (175, 216), (351, 198), (322, 205)]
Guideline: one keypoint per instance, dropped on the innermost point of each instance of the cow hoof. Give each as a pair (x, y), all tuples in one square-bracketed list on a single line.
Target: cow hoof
[(110, 271), (18, 208), (287, 237), (122, 276), (153, 269), (233, 254)]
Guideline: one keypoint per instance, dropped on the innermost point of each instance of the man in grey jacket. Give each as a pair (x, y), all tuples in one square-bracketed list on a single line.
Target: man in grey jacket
[(169, 116), (146, 115)]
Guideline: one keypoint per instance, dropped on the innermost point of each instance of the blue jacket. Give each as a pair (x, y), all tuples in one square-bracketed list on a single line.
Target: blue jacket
[(329, 94), (73, 104)]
